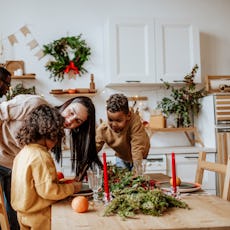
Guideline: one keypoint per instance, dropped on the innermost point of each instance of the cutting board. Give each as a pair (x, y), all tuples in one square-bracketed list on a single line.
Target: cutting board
[(12, 65)]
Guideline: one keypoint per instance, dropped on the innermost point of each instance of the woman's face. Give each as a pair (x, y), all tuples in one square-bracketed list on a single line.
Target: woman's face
[(75, 115)]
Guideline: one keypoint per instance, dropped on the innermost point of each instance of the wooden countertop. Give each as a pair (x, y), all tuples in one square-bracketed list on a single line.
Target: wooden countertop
[(207, 212)]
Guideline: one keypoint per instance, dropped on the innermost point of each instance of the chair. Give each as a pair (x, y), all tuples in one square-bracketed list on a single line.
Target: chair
[(3, 214), (223, 169)]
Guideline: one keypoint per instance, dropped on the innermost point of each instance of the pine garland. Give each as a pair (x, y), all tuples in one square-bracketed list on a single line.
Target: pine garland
[(19, 89), (69, 54)]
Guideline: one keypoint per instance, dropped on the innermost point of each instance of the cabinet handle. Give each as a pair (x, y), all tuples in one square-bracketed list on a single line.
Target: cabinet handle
[(188, 157), (155, 159), (132, 81)]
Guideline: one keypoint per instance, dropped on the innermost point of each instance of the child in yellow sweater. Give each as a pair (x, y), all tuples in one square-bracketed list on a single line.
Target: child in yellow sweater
[(123, 132), (35, 186)]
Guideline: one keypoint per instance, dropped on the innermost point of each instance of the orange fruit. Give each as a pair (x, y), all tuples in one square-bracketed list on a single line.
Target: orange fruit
[(178, 181), (60, 175), (80, 204), (145, 123)]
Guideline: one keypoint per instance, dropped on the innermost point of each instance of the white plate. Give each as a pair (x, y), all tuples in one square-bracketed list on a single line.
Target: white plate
[(184, 187)]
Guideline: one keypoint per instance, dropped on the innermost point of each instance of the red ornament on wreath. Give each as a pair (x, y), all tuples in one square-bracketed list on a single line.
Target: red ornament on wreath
[(72, 70)]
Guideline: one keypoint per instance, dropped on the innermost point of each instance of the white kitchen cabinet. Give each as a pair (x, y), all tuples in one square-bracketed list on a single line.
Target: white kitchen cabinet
[(146, 50), (186, 165), (178, 50), (156, 163), (131, 50)]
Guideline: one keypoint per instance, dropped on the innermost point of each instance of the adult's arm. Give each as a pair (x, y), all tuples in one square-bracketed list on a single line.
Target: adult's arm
[(19, 106)]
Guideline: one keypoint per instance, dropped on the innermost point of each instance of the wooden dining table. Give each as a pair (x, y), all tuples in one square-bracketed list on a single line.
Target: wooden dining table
[(205, 212)]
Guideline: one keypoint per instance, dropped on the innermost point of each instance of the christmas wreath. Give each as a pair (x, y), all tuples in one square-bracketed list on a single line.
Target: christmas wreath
[(69, 55)]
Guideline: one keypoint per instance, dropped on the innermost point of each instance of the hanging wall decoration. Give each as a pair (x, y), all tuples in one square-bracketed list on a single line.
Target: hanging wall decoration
[(69, 55), (12, 38)]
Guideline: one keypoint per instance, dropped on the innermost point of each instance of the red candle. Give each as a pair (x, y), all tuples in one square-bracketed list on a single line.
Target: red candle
[(106, 183), (174, 172)]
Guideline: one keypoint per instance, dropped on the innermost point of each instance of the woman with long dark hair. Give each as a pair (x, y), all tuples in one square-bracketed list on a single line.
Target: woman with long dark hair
[(79, 114)]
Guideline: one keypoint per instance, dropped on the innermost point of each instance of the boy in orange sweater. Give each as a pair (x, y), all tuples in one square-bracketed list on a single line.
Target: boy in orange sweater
[(123, 132)]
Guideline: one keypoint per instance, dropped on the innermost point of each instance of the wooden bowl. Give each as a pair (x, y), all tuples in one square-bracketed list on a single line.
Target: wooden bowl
[(71, 91)]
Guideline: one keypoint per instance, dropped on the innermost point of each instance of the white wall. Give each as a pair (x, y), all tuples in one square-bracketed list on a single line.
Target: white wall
[(49, 20)]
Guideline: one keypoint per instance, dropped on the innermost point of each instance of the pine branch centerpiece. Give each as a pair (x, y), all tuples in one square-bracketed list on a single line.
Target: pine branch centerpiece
[(136, 195), (69, 55)]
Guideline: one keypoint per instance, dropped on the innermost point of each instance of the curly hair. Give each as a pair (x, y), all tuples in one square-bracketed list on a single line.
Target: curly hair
[(43, 121), (117, 103)]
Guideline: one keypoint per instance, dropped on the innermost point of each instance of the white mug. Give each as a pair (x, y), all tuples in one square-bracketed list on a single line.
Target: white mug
[(19, 72)]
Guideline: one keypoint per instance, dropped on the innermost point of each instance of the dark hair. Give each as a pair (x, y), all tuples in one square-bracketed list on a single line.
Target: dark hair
[(117, 102), (4, 73), (82, 142), (43, 121)]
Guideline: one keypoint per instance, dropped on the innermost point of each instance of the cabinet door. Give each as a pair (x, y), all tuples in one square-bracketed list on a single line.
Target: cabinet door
[(186, 165), (178, 50), (131, 50)]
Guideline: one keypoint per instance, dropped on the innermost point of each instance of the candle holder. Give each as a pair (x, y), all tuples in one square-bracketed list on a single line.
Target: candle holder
[(175, 192), (107, 198)]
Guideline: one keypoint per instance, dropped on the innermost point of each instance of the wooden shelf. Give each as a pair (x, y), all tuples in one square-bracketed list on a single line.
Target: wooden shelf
[(182, 129), (73, 94), (216, 81), (25, 76), (138, 98), (186, 131)]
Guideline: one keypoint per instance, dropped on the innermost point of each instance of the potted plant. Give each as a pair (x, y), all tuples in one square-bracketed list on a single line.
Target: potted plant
[(183, 102)]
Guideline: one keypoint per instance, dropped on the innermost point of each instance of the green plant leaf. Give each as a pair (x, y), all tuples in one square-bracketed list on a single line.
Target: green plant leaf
[(183, 101)]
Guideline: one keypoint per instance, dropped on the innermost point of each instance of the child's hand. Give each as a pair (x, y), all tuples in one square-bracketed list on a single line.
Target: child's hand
[(77, 186)]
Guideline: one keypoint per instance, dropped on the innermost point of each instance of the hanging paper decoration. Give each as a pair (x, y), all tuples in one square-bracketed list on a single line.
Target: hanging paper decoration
[(1, 47), (40, 54), (25, 30), (32, 44), (12, 39)]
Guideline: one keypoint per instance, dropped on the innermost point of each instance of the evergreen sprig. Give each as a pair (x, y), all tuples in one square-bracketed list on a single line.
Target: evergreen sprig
[(19, 89), (183, 101), (132, 196), (59, 50), (134, 201)]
